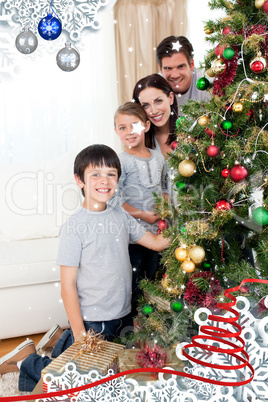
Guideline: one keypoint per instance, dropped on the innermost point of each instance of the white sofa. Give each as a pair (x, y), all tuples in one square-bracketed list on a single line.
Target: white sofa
[(35, 201)]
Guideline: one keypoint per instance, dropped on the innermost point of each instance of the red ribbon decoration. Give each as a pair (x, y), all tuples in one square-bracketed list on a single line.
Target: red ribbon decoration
[(213, 333)]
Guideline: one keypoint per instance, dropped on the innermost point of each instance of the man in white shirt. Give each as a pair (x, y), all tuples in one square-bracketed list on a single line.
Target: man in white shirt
[(175, 59)]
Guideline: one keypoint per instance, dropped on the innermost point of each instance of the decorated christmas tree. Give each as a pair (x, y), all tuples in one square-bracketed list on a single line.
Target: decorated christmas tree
[(218, 229)]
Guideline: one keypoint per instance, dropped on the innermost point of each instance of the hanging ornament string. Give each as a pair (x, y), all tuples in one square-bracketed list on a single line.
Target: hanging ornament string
[(229, 135), (53, 11), (255, 151), (213, 333), (236, 92)]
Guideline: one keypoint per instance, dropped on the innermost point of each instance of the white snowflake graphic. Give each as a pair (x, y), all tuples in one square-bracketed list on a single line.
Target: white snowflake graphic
[(74, 15)]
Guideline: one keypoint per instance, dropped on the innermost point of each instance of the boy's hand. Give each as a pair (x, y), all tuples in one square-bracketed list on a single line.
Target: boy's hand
[(154, 242)]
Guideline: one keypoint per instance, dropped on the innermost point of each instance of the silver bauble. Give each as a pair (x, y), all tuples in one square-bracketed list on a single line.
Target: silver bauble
[(26, 41), (68, 58)]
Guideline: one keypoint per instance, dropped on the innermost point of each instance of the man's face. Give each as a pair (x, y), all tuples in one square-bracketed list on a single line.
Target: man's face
[(177, 71)]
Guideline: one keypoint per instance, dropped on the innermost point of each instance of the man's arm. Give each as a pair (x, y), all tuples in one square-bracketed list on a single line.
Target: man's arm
[(70, 299), (154, 242)]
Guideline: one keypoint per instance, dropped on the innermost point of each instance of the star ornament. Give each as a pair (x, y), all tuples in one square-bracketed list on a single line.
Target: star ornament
[(137, 128), (176, 46)]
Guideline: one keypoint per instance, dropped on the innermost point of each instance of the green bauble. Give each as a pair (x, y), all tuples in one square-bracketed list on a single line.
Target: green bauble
[(182, 229), (206, 265), (260, 216), (202, 84), (226, 125), (147, 309), (228, 53), (179, 121), (181, 186), (176, 305)]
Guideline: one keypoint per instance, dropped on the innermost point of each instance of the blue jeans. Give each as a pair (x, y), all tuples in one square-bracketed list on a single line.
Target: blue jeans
[(30, 371), (145, 263)]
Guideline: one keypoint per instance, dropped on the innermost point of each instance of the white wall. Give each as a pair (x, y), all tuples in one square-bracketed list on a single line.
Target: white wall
[(198, 12)]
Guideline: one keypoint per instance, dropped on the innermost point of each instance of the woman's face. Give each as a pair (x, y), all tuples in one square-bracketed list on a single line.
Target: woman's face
[(157, 105)]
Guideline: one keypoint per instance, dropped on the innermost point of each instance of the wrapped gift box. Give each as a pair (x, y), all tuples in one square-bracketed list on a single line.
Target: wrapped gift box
[(127, 361), (102, 360)]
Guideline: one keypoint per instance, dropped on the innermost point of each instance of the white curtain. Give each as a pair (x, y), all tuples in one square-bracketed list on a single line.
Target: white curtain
[(140, 26)]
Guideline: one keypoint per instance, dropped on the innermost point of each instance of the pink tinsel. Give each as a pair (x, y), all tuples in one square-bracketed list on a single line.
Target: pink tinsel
[(153, 357), (203, 299)]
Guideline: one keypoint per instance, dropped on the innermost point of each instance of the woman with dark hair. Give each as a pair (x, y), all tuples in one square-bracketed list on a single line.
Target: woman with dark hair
[(159, 102)]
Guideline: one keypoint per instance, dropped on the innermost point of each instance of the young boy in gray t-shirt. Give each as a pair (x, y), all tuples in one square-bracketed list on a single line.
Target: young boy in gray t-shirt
[(93, 251)]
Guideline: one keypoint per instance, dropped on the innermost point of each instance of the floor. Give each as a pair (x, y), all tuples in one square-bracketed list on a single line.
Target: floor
[(7, 345)]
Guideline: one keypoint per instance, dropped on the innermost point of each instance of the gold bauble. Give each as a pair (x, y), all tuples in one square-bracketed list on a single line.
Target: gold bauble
[(188, 266), (218, 66), (197, 254), (187, 168), (181, 253), (238, 107), (259, 4), (210, 73), (208, 31), (203, 120)]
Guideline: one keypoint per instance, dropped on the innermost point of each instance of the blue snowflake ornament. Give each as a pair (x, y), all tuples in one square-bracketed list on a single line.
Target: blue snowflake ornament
[(49, 27)]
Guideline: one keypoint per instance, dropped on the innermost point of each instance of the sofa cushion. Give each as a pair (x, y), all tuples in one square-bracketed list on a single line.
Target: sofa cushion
[(38, 198), (28, 262)]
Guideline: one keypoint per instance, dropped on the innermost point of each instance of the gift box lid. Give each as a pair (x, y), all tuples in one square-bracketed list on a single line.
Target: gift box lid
[(102, 360)]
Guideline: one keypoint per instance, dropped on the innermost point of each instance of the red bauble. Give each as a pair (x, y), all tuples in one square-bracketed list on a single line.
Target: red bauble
[(162, 224), (250, 113), (238, 173), (225, 173), (213, 151), (223, 205), (265, 7), (174, 145), (226, 31), (210, 133), (257, 67), (219, 50)]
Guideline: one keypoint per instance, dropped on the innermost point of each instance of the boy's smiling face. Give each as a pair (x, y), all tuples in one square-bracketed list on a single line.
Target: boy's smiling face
[(99, 185)]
